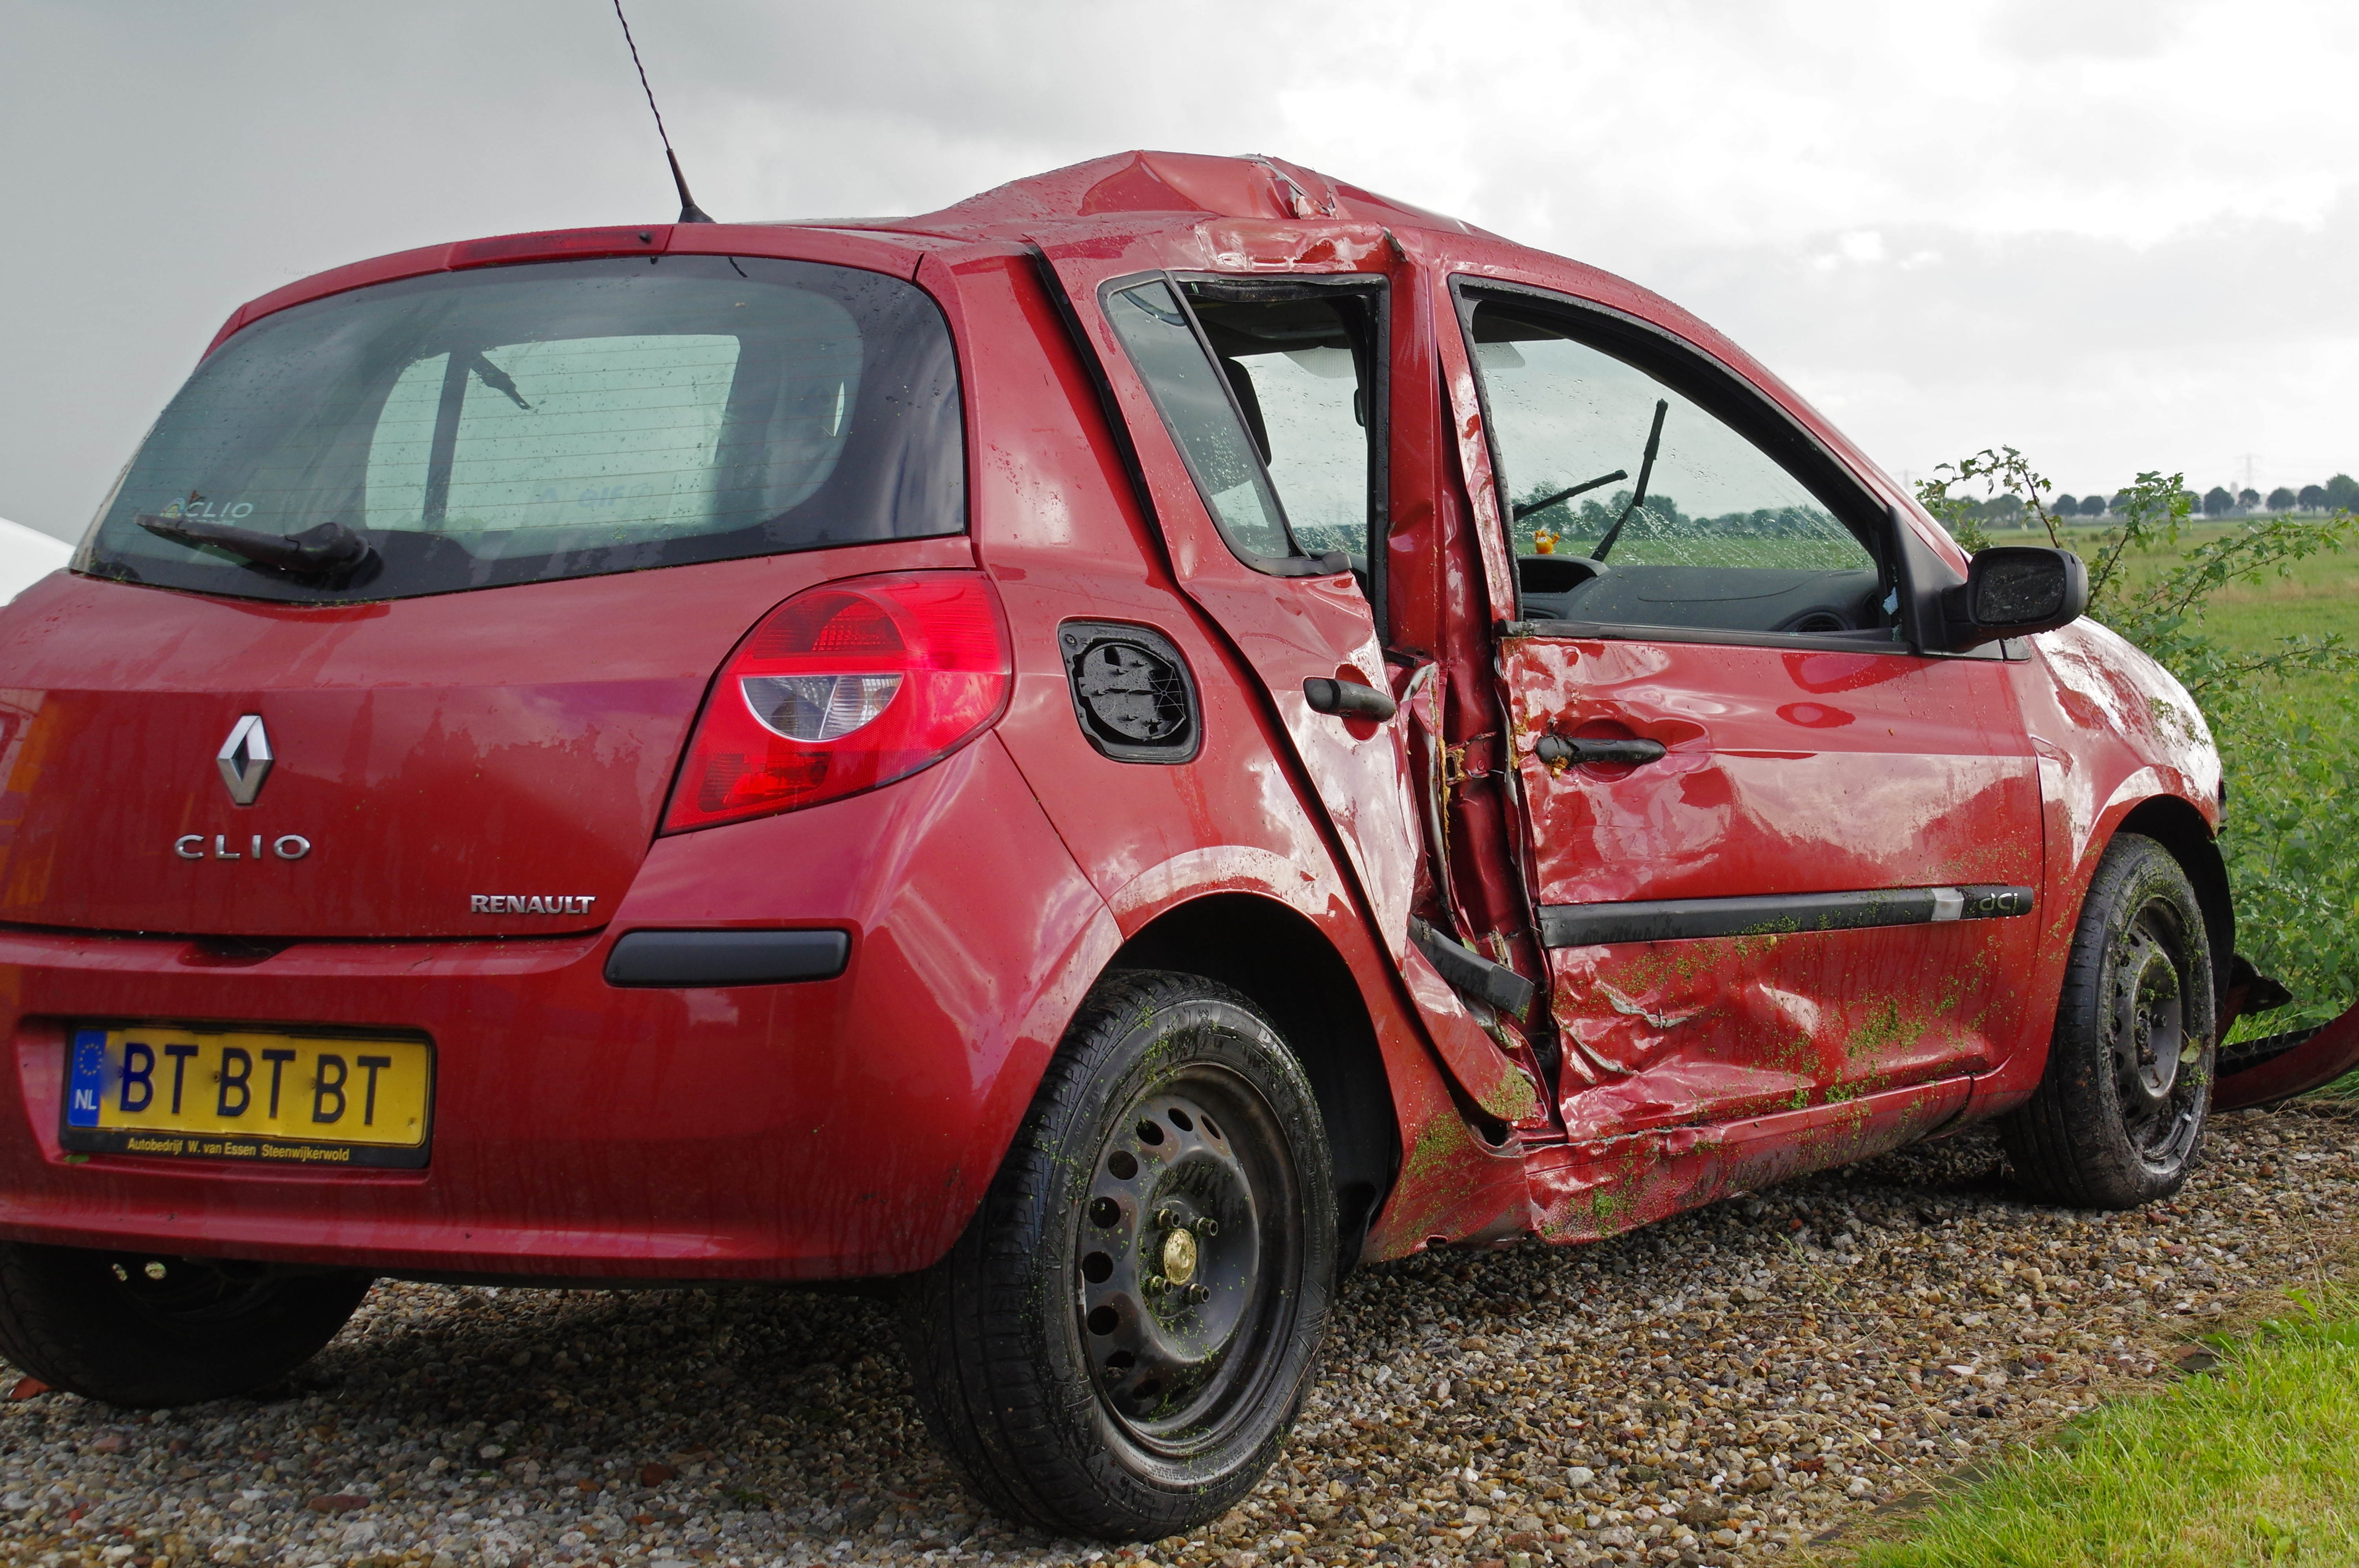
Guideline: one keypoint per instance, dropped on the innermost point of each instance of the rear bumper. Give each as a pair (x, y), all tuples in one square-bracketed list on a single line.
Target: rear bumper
[(836, 1128)]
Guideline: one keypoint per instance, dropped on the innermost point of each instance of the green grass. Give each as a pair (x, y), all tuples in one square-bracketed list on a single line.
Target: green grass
[(2292, 844), (2257, 1462)]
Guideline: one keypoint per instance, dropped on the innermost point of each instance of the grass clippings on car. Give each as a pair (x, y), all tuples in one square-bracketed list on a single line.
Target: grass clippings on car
[(2251, 1462)]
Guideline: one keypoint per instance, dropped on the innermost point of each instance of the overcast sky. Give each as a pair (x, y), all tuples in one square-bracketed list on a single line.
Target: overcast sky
[(2118, 235)]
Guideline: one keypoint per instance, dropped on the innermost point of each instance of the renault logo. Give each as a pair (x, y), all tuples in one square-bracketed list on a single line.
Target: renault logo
[(245, 759)]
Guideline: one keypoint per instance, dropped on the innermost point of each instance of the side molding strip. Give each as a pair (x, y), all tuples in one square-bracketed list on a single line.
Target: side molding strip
[(1771, 914), (1469, 973)]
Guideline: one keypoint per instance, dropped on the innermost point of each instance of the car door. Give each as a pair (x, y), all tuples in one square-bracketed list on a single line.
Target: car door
[(1775, 849), (1257, 407)]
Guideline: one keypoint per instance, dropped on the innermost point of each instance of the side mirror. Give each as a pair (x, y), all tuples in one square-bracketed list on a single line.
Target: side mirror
[(2014, 590)]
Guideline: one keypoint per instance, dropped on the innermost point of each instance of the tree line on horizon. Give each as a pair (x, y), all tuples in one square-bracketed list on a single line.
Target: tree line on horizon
[(2340, 494)]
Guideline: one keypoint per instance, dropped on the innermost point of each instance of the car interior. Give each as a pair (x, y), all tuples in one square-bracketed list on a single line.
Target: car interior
[(1805, 602), (1634, 505)]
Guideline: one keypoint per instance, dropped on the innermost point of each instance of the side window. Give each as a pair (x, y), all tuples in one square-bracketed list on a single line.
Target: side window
[(1269, 406), (1298, 369), (1633, 506)]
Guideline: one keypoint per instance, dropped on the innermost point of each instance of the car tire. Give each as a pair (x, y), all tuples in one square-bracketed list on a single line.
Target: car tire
[(1098, 1358), (148, 1330), (2118, 1117)]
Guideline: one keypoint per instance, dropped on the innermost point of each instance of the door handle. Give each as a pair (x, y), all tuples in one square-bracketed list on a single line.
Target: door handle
[(1556, 748), (1349, 699)]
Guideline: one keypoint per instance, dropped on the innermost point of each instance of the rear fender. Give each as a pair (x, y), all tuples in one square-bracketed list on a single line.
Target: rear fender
[(1063, 530), (977, 939)]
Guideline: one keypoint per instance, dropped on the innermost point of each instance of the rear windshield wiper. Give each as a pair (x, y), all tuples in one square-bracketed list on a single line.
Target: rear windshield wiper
[(329, 551), (493, 376)]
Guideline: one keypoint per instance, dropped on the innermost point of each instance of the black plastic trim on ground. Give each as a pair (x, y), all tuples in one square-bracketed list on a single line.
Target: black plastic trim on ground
[(2246, 1054)]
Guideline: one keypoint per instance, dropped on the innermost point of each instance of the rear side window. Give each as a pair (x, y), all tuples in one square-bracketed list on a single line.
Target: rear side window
[(1298, 369), (1267, 388), (1204, 418), (525, 423)]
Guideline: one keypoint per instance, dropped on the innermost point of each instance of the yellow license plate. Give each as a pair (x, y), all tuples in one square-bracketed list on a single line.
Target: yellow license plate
[(234, 1094)]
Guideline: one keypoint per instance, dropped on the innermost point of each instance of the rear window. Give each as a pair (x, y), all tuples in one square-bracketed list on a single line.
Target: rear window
[(518, 424)]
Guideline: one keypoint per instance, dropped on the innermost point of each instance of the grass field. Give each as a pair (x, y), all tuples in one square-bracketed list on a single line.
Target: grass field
[(2321, 596), (2249, 1464)]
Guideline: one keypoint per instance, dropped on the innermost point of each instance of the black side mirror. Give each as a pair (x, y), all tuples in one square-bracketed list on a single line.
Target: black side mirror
[(2013, 590)]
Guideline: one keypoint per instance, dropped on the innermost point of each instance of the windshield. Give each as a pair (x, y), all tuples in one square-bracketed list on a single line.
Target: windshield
[(522, 423)]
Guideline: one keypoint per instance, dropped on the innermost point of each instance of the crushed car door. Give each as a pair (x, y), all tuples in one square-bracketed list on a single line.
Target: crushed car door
[(1775, 849), (1257, 407)]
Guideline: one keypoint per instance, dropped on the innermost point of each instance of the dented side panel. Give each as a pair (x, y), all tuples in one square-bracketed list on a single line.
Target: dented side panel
[(1060, 532), (1787, 771), (1588, 1191), (1679, 1033)]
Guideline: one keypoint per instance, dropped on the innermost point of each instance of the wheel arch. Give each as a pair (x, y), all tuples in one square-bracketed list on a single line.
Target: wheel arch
[(1274, 954), (2180, 828)]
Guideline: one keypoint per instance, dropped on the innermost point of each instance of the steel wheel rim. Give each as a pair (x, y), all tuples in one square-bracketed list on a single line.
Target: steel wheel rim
[(1180, 1320), (2158, 1079)]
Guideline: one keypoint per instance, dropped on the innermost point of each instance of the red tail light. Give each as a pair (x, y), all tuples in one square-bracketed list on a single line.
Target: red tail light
[(842, 688)]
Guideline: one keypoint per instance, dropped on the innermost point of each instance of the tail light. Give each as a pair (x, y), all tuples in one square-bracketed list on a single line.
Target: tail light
[(842, 688)]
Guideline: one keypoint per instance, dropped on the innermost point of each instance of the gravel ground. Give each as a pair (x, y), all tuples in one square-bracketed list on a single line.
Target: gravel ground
[(1717, 1389)]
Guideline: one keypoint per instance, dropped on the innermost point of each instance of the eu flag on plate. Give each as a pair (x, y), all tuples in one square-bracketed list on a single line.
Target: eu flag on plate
[(88, 1083)]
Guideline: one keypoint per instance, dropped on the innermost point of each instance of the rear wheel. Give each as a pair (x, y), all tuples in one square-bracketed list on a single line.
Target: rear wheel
[(148, 1330), (1119, 1341), (2118, 1116)]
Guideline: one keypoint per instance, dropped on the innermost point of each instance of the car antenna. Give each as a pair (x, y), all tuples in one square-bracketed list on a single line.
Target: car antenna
[(690, 212)]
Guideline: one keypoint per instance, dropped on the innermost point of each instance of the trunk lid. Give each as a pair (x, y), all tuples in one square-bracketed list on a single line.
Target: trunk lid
[(428, 756)]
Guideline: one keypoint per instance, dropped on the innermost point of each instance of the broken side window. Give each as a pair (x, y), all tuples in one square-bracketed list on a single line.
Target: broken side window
[(1270, 391)]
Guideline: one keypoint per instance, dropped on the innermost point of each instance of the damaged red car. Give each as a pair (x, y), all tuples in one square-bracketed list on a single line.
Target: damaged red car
[(1101, 755)]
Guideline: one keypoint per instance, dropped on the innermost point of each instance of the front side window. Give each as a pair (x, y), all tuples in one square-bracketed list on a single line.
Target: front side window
[(1269, 402), (1631, 504), (522, 423)]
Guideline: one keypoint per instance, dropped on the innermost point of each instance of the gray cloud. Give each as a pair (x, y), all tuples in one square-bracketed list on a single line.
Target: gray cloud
[(2108, 232), (2102, 29), (2188, 351)]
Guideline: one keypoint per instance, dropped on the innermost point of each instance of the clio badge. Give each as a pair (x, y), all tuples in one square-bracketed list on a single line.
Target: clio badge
[(245, 760)]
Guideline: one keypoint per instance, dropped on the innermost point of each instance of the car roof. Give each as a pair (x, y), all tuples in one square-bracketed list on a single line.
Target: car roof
[(1129, 190), (1187, 185)]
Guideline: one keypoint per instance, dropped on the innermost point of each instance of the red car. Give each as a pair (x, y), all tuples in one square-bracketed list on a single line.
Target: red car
[(1105, 753)]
